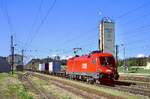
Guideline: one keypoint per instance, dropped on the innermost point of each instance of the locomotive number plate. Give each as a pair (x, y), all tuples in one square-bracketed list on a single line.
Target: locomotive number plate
[(84, 65)]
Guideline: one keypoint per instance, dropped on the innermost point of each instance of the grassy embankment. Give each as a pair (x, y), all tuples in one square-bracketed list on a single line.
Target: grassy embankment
[(53, 90), (134, 70), (12, 88)]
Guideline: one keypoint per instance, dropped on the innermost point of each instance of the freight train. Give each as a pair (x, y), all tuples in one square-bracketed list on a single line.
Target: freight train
[(96, 66)]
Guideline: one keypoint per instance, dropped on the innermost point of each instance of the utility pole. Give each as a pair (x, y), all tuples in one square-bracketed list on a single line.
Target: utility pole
[(124, 53), (12, 55), (117, 54), (99, 45), (22, 52), (102, 36)]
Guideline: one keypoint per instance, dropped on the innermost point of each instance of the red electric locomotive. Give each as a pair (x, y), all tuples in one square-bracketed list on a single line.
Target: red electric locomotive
[(92, 67)]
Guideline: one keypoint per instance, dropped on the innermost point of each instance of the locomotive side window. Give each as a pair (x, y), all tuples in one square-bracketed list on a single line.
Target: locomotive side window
[(94, 61), (107, 61)]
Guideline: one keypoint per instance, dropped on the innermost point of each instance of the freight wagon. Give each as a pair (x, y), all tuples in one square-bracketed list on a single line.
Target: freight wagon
[(50, 67)]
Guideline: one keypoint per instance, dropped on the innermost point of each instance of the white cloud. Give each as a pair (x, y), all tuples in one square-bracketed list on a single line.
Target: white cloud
[(66, 57), (69, 57), (63, 57), (140, 55), (53, 55)]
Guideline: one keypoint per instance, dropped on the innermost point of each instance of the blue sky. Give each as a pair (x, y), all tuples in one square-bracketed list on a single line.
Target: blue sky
[(72, 23)]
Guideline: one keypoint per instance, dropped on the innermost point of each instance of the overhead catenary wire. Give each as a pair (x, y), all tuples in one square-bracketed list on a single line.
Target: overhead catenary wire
[(91, 41), (134, 31), (132, 11), (137, 29), (78, 38), (34, 21), (35, 48), (5, 13), (123, 15), (136, 19), (117, 18), (42, 22), (27, 44)]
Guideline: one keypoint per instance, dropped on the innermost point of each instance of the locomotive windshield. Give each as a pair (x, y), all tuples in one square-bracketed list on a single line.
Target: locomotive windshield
[(107, 61)]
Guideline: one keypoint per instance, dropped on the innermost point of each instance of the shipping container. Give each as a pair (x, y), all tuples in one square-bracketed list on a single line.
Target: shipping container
[(50, 67), (46, 66), (54, 67), (41, 67)]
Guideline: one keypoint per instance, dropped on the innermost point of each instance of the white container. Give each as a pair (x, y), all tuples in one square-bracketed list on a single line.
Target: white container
[(50, 66), (41, 67)]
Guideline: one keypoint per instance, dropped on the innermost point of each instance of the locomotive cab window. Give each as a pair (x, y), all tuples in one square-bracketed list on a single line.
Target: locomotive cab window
[(93, 61), (107, 61)]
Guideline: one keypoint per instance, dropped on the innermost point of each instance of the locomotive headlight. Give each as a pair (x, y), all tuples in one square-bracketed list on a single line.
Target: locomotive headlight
[(108, 71), (100, 70)]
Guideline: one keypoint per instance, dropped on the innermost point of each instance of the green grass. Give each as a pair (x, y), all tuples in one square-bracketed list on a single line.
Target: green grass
[(55, 91), (135, 70), (2, 76), (19, 91), (12, 88), (66, 97), (143, 71)]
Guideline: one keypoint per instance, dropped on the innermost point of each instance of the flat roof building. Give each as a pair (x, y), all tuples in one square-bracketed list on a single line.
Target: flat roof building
[(17, 60), (4, 65)]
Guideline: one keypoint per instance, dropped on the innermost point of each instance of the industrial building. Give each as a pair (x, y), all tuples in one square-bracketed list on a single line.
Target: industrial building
[(18, 60), (107, 35), (4, 65)]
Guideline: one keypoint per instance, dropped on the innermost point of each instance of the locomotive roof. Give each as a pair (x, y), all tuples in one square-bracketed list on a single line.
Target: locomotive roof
[(91, 55)]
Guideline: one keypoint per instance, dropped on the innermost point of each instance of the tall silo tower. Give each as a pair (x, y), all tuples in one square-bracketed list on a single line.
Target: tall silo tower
[(107, 35)]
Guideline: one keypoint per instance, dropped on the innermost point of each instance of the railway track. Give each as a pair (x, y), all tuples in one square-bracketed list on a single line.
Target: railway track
[(29, 85), (133, 78), (142, 85), (121, 86), (134, 90), (86, 93), (131, 89)]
